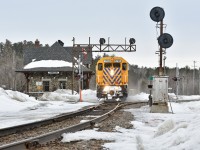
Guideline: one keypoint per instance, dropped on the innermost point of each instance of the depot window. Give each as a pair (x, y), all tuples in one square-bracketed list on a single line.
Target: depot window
[(116, 65), (46, 86), (124, 66), (107, 65), (62, 84), (100, 66)]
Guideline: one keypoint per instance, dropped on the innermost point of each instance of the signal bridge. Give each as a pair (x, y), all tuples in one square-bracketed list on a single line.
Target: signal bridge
[(102, 47)]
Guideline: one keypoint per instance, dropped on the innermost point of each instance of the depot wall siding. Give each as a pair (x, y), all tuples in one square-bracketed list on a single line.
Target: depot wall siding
[(54, 80)]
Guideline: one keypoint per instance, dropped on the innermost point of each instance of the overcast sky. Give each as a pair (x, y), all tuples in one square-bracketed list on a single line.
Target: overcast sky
[(50, 20)]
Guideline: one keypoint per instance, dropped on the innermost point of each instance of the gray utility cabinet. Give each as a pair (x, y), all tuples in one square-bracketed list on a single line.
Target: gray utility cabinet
[(160, 89)]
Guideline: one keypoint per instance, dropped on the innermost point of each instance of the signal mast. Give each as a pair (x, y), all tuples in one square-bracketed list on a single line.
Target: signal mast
[(159, 83)]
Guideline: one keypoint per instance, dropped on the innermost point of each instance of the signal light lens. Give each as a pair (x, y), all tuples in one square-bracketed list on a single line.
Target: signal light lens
[(174, 78), (102, 41)]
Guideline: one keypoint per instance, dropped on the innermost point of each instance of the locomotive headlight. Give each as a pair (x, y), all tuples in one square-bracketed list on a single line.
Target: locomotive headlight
[(112, 72), (118, 88), (106, 89)]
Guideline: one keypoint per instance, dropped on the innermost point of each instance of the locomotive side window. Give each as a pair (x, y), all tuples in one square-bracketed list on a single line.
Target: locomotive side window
[(116, 65), (100, 66), (107, 65), (124, 66)]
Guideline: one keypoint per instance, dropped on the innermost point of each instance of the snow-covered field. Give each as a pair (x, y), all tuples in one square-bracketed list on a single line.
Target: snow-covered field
[(152, 131)]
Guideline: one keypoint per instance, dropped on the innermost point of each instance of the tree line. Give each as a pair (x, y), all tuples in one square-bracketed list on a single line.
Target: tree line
[(139, 78), (11, 59)]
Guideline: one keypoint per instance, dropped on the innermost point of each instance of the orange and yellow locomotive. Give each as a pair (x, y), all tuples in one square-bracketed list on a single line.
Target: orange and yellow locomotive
[(112, 78)]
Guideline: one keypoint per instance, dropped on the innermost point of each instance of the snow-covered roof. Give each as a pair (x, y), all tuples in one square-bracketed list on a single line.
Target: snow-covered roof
[(55, 52), (48, 64), (54, 58)]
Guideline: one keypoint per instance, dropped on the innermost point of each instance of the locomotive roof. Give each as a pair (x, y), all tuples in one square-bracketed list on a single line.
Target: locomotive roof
[(112, 57)]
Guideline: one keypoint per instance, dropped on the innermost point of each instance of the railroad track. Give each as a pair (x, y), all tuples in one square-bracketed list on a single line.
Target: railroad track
[(102, 111), (39, 140), (28, 126), (184, 101)]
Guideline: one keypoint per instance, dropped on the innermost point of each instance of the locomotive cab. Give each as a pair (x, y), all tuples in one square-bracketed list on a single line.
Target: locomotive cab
[(112, 78)]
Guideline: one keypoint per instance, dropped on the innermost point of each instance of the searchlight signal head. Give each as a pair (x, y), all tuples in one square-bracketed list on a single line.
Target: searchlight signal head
[(157, 14), (102, 41), (132, 41), (165, 40), (175, 78)]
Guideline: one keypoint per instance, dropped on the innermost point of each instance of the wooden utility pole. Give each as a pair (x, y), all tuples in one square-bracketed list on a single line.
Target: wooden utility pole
[(73, 66), (193, 78), (177, 82), (199, 81)]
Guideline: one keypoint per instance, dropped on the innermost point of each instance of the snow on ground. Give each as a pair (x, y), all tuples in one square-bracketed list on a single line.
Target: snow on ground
[(168, 131), (152, 131), (183, 97), (18, 108), (48, 63), (89, 96), (141, 97), (60, 95), (66, 95)]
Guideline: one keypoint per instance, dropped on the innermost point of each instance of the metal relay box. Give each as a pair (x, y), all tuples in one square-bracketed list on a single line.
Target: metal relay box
[(160, 89)]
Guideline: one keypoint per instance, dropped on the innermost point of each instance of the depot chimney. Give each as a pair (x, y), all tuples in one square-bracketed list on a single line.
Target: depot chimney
[(37, 43)]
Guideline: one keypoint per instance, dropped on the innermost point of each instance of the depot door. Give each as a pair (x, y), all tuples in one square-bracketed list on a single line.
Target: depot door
[(46, 86)]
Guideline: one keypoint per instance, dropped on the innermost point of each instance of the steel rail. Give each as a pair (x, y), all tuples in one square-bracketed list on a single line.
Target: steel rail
[(19, 128), (55, 135), (184, 101)]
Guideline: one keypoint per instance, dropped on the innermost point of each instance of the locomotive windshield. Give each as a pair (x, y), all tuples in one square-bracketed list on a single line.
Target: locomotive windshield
[(116, 65), (107, 65), (124, 66)]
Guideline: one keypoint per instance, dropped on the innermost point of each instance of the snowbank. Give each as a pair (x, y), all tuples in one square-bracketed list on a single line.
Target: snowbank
[(14, 101), (66, 95), (19, 96), (59, 95), (173, 97), (89, 96), (142, 97)]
